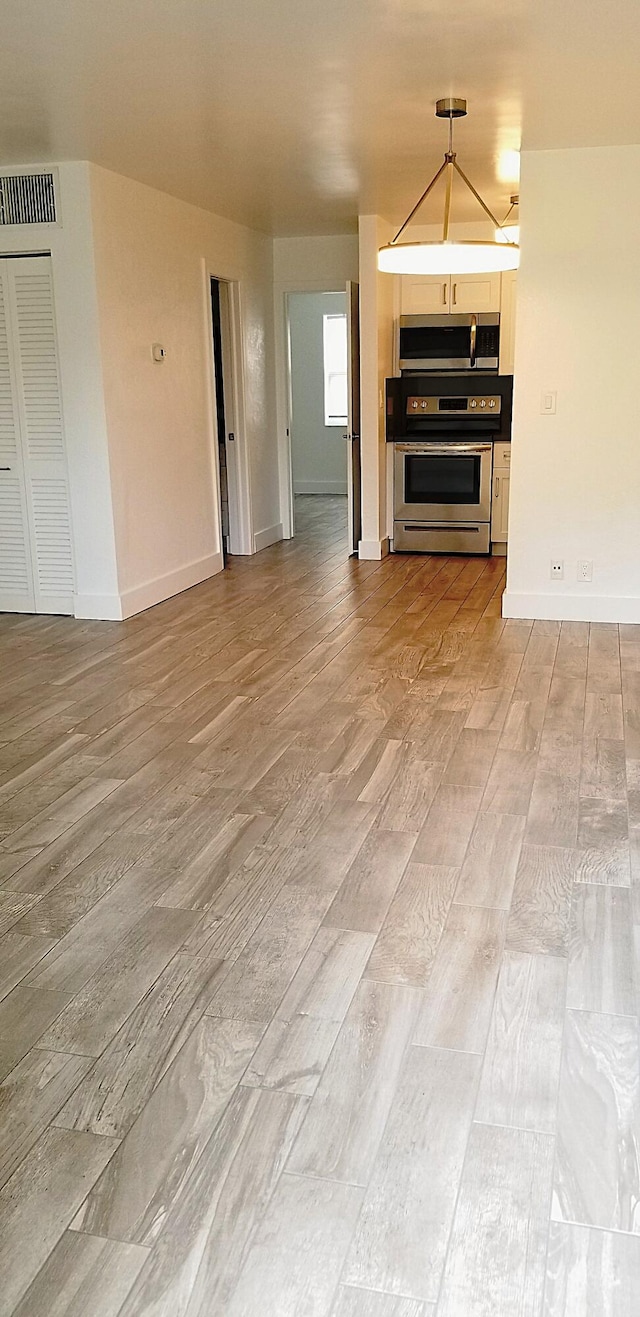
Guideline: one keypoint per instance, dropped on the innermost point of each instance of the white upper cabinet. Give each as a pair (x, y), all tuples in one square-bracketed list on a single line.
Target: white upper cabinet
[(429, 294), (508, 322), (475, 292), (425, 294)]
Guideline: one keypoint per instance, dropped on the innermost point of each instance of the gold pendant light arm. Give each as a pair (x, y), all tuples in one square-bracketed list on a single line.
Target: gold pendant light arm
[(494, 221), (424, 196), (447, 198)]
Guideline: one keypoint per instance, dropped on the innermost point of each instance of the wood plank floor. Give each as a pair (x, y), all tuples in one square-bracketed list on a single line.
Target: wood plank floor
[(318, 977)]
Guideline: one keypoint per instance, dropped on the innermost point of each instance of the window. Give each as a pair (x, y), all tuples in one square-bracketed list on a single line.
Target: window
[(334, 341)]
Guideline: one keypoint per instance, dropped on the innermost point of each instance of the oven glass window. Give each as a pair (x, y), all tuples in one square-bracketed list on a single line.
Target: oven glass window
[(442, 479), (439, 343)]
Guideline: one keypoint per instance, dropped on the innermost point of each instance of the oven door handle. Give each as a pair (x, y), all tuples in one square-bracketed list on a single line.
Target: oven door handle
[(472, 340), (443, 450)]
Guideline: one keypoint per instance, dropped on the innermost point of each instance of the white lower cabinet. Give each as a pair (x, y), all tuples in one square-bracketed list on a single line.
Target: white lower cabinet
[(36, 563), (500, 493)]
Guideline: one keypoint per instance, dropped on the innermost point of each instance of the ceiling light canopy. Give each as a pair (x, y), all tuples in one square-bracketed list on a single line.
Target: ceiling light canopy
[(446, 256)]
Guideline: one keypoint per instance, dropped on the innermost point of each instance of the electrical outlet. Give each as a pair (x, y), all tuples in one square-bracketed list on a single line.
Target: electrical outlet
[(585, 569), (557, 569)]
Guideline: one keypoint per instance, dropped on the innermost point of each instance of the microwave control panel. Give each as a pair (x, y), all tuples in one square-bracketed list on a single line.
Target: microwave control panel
[(461, 405)]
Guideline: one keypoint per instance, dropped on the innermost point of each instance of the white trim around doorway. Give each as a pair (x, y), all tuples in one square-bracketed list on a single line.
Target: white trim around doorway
[(282, 291), (237, 456)]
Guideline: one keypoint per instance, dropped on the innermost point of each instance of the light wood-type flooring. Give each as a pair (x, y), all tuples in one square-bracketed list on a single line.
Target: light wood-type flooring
[(318, 889)]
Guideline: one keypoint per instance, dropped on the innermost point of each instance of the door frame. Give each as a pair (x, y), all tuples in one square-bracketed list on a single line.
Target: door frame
[(282, 291), (240, 534), (354, 423)]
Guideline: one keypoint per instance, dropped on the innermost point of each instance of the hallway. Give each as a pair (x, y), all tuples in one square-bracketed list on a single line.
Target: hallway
[(317, 986)]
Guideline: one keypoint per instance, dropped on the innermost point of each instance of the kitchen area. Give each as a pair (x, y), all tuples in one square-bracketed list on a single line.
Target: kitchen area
[(448, 413), (444, 297)]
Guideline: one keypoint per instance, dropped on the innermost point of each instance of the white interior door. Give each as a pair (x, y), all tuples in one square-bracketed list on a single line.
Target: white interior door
[(36, 562), (16, 572), (354, 480), (235, 542)]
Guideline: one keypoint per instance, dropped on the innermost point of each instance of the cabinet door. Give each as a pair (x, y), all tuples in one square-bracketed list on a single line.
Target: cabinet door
[(425, 294), (508, 322), (500, 505), (501, 454), (475, 292)]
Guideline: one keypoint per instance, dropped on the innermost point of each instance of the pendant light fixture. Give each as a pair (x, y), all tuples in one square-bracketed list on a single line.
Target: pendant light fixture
[(509, 232), (447, 256)]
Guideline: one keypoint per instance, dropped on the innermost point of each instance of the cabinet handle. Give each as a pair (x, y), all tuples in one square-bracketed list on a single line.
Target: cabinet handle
[(444, 294), (455, 294), (496, 487)]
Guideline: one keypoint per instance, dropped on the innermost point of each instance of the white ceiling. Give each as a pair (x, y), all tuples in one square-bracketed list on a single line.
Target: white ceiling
[(293, 115)]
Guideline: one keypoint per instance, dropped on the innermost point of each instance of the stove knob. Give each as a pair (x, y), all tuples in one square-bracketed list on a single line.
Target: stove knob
[(424, 406), (492, 402), (473, 403), (415, 406), (482, 402)]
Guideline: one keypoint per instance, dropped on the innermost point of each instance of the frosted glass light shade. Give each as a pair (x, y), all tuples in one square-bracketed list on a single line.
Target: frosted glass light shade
[(448, 257), (508, 233)]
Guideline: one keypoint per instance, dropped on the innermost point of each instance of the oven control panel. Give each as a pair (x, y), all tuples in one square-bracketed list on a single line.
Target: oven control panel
[(462, 405)]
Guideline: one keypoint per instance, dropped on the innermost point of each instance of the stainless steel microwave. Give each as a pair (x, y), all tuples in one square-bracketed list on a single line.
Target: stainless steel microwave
[(449, 342)]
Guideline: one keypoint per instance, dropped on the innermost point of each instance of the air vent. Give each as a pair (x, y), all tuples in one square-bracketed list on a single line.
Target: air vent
[(27, 199)]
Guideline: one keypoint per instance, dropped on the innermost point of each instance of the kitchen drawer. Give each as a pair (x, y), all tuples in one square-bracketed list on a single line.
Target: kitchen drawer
[(501, 455)]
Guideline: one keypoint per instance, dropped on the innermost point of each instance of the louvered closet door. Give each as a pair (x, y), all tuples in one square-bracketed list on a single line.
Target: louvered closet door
[(16, 574), (33, 367)]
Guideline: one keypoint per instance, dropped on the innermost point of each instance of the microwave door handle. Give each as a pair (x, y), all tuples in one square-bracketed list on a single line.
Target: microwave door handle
[(443, 450), (472, 344)]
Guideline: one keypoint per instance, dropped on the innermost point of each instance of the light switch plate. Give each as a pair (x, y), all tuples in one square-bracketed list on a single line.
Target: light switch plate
[(548, 402)]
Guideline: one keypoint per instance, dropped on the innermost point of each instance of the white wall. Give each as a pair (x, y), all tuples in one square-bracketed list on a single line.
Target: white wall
[(71, 247), (153, 256), (575, 482), (319, 264), (377, 311), (326, 262), (318, 451)]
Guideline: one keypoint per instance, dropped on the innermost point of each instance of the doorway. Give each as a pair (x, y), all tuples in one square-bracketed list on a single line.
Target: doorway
[(323, 406), (36, 558), (230, 448)]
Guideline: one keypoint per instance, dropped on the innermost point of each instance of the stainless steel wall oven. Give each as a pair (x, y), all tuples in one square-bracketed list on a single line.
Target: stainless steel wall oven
[(442, 497), (442, 431)]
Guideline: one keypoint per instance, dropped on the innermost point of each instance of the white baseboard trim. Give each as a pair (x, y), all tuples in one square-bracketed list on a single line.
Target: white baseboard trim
[(153, 592), (373, 550), (263, 538), (571, 608), (320, 487), (98, 607)]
